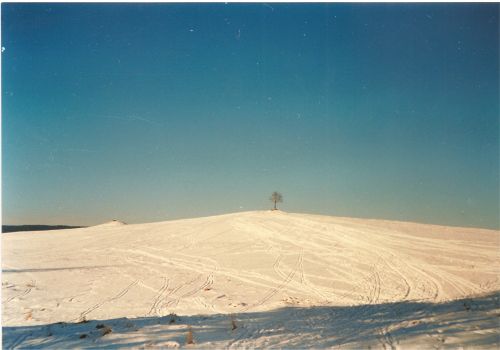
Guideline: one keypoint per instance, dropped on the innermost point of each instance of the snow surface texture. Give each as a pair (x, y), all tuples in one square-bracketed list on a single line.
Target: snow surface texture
[(252, 279)]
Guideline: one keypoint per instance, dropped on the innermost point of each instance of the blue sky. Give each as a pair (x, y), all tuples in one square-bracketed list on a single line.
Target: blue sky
[(160, 111)]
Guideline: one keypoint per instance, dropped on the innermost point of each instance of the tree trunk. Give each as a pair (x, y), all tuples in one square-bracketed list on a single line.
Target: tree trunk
[(274, 205)]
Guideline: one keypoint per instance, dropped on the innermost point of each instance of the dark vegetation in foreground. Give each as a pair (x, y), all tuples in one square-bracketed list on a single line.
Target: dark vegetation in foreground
[(19, 228), (458, 323)]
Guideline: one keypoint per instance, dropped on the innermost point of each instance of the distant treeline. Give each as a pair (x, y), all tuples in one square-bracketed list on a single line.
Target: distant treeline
[(16, 228)]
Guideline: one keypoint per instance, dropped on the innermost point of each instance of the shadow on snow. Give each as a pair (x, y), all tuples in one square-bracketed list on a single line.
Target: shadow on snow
[(464, 322)]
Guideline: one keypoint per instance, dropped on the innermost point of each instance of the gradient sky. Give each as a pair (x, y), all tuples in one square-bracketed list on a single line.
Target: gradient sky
[(160, 111)]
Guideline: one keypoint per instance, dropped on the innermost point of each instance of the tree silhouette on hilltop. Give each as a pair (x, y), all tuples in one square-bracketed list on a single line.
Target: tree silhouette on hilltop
[(276, 197)]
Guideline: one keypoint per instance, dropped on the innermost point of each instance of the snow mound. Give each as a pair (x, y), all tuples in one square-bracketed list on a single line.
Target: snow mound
[(113, 222)]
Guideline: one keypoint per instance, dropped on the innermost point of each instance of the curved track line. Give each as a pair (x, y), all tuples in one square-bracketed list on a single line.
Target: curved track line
[(158, 298), (113, 298), (31, 285)]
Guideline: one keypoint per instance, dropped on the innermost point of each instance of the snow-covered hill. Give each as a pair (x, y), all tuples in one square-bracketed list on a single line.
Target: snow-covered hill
[(252, 279)]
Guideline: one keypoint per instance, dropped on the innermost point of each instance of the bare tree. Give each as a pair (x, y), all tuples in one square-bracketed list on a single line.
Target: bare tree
[(276, 197)]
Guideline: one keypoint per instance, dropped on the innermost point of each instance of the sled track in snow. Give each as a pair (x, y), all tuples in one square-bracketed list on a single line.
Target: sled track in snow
[(30, 286), (113, 298), (158, 298)]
